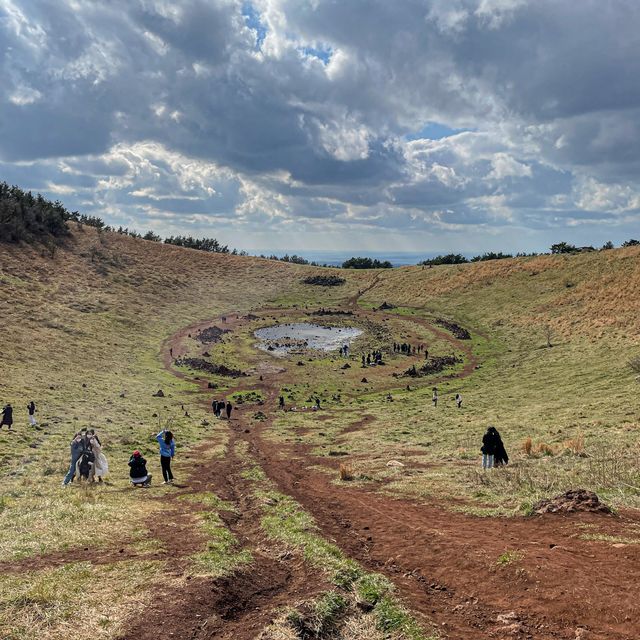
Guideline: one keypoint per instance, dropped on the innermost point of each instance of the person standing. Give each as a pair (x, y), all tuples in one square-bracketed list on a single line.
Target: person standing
[(77, 448), (500, 457), (31, 408), (489, 446), (167, 451), (7, 416), (434, 396), (100, 463), (228, 409), (459, 400), (281, 403)]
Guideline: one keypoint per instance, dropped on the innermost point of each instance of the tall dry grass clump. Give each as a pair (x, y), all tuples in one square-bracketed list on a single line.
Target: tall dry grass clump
[(346, 472), (575, 445)]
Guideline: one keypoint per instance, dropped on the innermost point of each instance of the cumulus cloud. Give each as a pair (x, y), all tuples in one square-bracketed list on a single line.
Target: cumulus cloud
[(210, 116)]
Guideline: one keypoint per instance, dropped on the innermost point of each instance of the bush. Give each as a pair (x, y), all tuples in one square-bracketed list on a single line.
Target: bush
[(563, 247), (28, 218), (324, 281), (449, 258), (201, 244), (366, 263), (491, 256)]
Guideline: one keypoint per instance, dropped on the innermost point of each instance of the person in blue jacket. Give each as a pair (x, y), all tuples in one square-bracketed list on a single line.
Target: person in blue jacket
[(167, 451), (77, 449)]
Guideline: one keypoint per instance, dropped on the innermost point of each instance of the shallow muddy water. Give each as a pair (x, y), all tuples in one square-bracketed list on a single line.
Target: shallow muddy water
[(286, 338)]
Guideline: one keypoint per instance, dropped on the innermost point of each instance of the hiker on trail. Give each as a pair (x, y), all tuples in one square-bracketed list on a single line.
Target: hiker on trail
[(501, 458), (426, 354), (167, 451), (317, 405), (345, 349), (100, 464), (368, 358), (281, 403), (364, 361), (214, 406), (171, 352), (458, 400), (221, 408), (492, 449), (31, 408), (228, 409), (434, 396), (138, 470), (7, 416), (77, 447)]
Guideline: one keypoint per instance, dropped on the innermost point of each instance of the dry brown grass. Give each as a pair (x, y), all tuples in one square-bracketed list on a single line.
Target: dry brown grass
[(604, 284), (575, 445), (544, 449), (346, 472)]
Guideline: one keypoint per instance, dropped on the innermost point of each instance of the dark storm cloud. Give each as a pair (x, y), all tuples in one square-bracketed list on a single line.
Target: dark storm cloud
[(292, 110)]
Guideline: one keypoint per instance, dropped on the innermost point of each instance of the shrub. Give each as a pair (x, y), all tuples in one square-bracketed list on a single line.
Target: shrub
[(366, 263), (449, 258)]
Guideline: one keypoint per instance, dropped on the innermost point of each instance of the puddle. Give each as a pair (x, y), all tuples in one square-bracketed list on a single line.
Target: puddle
[(295, 337)]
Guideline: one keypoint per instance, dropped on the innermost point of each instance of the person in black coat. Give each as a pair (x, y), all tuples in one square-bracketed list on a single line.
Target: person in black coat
[(501, 458), (493, 451), (7, 416), (228, 410), (138, 470)]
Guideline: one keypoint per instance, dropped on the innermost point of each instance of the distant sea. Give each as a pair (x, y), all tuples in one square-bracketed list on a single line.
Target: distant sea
[(336, 258)]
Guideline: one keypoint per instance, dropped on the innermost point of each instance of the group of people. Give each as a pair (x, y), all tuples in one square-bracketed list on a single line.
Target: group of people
[(375, 357), (408, 349), (88, 461), (7, 415), (221, 408), (138, 473), (344, 351)]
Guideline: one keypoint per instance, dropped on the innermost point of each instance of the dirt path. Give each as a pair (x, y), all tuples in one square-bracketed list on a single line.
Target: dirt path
[(444, 564), (232, 607)]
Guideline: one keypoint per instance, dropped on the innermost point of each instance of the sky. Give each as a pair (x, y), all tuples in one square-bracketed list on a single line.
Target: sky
[(344, 125)]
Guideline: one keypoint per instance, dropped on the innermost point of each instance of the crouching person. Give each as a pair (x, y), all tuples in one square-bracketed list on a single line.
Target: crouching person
[(138, 471)]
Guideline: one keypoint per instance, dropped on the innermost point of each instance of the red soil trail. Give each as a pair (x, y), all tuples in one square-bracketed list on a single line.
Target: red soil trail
[(234, 607), (445, 564)]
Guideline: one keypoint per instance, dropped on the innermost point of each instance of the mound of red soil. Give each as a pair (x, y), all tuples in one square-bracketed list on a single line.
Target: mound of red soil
[(572, 501)]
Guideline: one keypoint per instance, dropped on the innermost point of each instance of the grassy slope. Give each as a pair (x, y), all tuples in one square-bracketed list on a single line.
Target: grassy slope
[(581, 386), (97, 314), (77, 331)]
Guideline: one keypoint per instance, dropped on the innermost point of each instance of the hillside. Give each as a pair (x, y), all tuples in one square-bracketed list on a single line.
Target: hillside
[(87, 332)]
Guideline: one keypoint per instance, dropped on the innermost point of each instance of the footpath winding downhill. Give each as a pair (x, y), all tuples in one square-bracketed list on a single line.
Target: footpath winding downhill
[(443, 563)]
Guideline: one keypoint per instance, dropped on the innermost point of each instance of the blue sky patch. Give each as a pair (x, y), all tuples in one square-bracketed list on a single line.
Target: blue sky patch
[(322, 54), (252, 20)]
